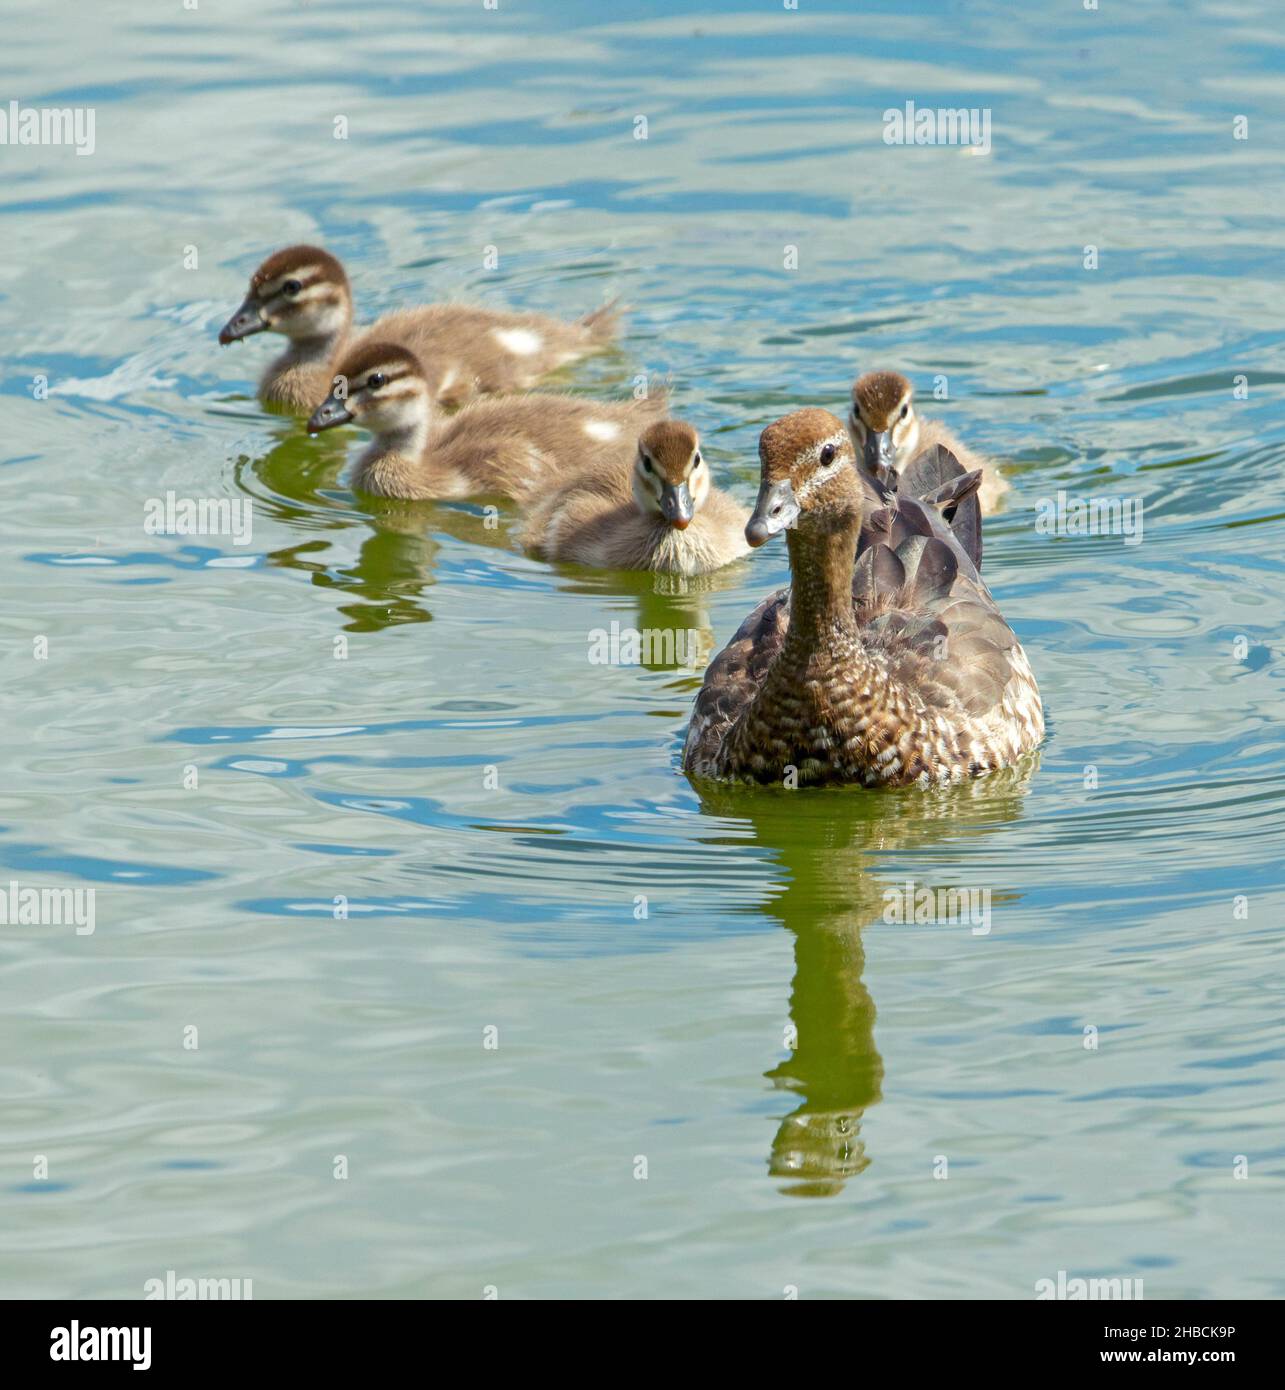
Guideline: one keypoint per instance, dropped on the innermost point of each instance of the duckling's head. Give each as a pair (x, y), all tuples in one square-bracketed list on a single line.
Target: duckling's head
[(301, 292), (381, 387), (671, 479), (883, 423), (807, 481)]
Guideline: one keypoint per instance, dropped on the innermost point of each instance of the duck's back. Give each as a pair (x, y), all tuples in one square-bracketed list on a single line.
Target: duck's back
[(920, 603)]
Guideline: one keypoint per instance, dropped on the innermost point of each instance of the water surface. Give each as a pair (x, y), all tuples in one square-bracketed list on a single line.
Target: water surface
[(464, 832)]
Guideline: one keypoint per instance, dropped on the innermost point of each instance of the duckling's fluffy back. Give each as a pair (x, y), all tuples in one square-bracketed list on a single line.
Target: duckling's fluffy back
[(522, 446), (468, 350)]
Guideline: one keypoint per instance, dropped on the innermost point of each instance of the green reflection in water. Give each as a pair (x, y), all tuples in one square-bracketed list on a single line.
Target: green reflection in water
[(826, 842)]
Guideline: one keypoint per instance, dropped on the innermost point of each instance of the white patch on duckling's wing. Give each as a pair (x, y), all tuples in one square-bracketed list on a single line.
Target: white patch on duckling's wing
[(521, 342), (603, 430)]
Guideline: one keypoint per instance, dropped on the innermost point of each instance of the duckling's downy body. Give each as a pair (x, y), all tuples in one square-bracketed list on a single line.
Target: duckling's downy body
[(655, 511), (503, 446), (888, 435), (898, 669), (303, 293)]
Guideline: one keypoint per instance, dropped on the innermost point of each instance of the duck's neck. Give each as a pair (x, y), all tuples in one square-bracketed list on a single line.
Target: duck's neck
[(304, 373), (668, 550), (324, 348), (317, 352), (820, 591), (824, 687), (393, 466)]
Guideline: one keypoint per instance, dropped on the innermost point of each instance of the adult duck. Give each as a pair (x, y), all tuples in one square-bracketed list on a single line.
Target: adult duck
[(887, 662)]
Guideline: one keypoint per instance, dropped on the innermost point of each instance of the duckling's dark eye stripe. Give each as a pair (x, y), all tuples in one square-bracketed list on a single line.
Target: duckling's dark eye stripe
[(305, 279), (384, 376)]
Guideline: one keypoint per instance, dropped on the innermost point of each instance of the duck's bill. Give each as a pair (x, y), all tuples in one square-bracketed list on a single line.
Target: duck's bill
[(877, 454), (328, 414), (243, 324), (676, 505), (774, 511)]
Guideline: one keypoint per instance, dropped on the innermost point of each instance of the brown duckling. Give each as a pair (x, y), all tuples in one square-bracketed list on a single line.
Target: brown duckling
[(887, 662), (510, 446), (657, 511), (303, 294), (887, 434)]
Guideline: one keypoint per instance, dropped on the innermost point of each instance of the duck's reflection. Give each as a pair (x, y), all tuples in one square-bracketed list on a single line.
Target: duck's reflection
[(659, 622), (825, 842), (300, 481)]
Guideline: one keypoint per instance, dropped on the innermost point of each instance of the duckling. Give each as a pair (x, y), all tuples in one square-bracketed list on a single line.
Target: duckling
[(510, 446), (658, 511), (891, 668), (887, 435), (303, 294)]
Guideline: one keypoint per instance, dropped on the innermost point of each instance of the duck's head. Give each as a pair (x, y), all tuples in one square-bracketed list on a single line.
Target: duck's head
[(380, 387), (301, 292), (807, 481), (671, 479), (883, 423)]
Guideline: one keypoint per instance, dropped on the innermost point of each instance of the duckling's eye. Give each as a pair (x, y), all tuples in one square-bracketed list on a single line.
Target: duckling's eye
[(291, 287), (696, 461), (827, 454), (646, 463), (375, 380), (905, 410)]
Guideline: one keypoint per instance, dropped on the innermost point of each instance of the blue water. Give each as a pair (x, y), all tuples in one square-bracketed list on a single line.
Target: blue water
[(716, 1069)]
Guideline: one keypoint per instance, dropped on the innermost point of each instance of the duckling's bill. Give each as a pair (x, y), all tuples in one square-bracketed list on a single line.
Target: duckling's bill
[(331, 412), (676, 505), (247, 321)]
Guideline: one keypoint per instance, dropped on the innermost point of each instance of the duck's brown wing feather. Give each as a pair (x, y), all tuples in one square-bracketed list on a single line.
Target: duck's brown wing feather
[(734, 676), (938, 478), (940, 630)]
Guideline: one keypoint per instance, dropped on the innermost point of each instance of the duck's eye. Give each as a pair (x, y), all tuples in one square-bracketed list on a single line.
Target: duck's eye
[(291, 287), (827, 454), (646, 463), (696, 461), (375, 380), (905, 410)]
